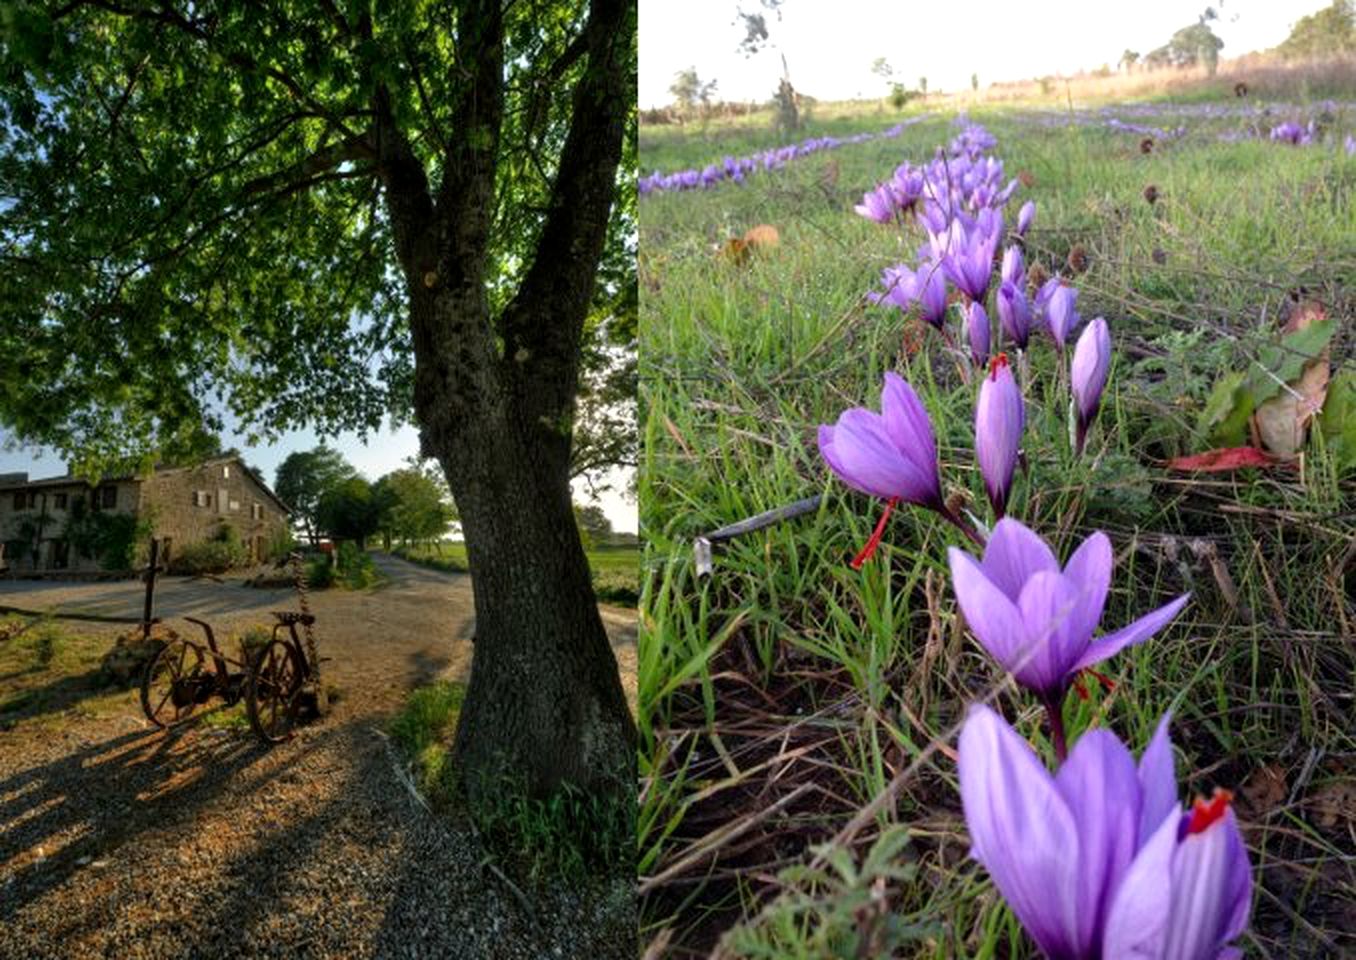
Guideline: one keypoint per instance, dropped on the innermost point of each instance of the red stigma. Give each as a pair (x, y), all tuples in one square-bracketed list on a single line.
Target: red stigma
[(874, 541), (999, 361), (1204, 813)]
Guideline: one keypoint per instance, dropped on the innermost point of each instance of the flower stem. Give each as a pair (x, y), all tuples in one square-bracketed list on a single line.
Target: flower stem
[(962, 526), (1056, 717)]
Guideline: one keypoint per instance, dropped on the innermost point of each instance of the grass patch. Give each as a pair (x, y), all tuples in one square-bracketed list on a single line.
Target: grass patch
[(616, 570), (568, 835), (788, 662), (49, 672)]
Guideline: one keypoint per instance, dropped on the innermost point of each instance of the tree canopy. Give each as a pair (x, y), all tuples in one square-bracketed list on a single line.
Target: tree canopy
[(190, 215), (305, 476), (415, 505), (1328, 32)]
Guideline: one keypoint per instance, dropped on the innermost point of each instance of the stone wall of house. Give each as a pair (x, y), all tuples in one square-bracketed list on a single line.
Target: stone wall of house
[(185, 505), (190, 504), (51, 506)]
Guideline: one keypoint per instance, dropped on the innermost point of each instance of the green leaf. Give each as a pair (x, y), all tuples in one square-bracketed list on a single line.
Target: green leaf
[(1287, 359), (1224, 421), (1337, 421)]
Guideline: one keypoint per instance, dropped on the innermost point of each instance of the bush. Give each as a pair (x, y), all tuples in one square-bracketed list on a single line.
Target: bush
[(356, 569), (616, 586), (280, 546), (319, 574)]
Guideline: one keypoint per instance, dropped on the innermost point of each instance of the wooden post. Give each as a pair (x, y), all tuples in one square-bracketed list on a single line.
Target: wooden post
[(149, 609)]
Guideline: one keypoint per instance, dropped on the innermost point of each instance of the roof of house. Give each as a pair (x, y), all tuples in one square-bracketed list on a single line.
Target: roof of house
[(11, 482)]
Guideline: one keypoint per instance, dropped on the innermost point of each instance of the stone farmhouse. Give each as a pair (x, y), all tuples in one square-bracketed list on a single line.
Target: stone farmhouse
[(184, 505)]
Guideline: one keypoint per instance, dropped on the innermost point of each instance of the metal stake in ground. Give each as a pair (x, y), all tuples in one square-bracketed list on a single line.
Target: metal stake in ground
[(152, 568), (701, 547)]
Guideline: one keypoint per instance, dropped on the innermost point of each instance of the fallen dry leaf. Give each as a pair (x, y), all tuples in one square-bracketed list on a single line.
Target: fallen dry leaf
[(756, 239), (1229, 458), (1265, 789), (1279, 425), (1335, 803), (763, 235)]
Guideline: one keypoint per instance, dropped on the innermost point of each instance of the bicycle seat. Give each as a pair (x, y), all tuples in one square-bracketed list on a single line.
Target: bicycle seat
[(290, 617)]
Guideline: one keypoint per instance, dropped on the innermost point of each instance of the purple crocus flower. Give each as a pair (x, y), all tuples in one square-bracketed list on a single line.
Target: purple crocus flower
[(977, 330), (1349, 145), (1014, 270), (1025, 216), (891, 454), (877, 205), (999, 419), (966, 251), (1091, 362), (1293, 134), (1100, 860), (1037, 620), (925, 287), (1014, 314), (1061, 314)]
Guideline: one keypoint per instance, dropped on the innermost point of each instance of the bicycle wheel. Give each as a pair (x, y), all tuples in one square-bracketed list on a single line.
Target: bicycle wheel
[(274, 691), (170, 685)]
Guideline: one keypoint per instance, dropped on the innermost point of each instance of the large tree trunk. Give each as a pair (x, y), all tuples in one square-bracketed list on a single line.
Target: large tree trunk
[(545, 701), (494, 396)]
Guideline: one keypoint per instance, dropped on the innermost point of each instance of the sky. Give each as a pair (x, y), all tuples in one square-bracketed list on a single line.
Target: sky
[(830, 46), (379, 455)]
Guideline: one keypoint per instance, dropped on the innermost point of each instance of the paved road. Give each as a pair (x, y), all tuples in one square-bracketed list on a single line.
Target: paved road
[(121, 841)]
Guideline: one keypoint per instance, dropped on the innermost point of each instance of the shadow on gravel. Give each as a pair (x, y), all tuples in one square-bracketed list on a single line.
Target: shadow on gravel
[(105, 794)]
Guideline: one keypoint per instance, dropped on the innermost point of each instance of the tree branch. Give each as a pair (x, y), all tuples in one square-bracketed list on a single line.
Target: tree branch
[(543, 324)]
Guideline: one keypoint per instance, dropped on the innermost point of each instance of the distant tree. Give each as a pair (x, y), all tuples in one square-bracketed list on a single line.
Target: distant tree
[(974, 82), (304, 477), (1128, 59), (1329, 32), (1191, 45), (923, 85), (593, 523), (755, 38), (413, 506), (351, 510), (688, 89)]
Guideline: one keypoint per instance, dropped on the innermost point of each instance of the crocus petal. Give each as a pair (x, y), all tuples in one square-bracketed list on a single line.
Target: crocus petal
[(1015, 553), (1157, 782), (1089, 569), (871, 462), (1048, 605), (1020, 830), (1099, 784), (1142, 629), (1140, 905), (1211, 892), (998, 431), (993, 618), (906, 420)]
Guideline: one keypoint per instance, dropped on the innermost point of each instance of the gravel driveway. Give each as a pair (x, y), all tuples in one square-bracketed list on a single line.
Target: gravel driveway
[(120, 841)]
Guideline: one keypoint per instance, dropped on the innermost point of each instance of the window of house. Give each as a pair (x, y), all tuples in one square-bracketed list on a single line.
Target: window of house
[(226, 472), (257, 511), (59, 501), (20, 500), (235, 504), (108, 497), (201, 498)]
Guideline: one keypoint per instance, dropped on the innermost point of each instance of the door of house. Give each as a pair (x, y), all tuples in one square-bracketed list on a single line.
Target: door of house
[(61, 554)]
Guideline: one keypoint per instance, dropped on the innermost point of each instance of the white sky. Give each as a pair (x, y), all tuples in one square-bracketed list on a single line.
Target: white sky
[(831, 44)]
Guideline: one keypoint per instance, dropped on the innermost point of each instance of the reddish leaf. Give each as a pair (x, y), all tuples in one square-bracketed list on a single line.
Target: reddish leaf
[(1230, 458)]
